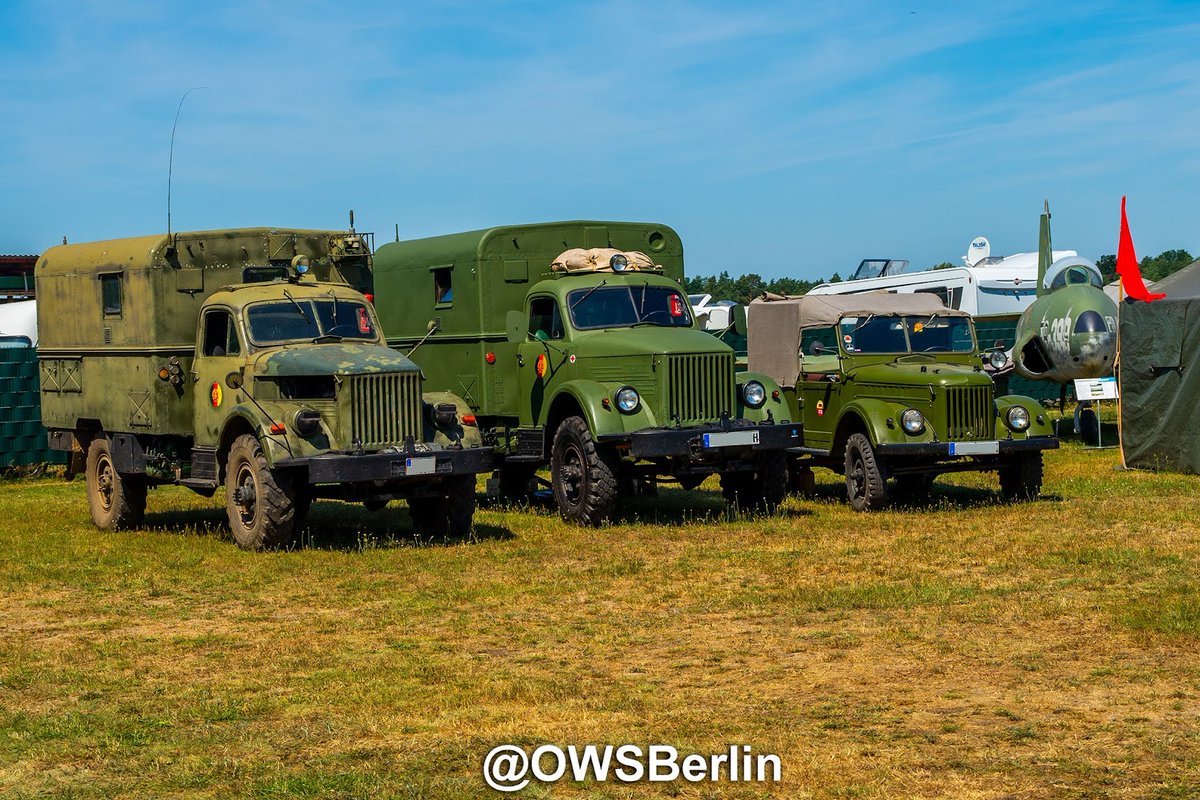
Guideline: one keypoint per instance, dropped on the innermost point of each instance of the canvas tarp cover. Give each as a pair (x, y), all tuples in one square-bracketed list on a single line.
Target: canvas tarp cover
[(597, 259), (1160, 385), (773, 342)]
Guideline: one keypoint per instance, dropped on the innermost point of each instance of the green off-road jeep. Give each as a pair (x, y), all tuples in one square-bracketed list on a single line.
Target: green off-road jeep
[(892, 387)]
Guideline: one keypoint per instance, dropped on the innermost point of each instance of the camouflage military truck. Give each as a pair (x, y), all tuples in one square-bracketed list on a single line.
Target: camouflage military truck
[(594, 365), (892, 386), (242, 357)]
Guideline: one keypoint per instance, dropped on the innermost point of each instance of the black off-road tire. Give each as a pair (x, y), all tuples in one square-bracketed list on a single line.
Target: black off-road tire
[(261, 503), (117, 502), (448, 516), (866, 484), (584, 477), (1021, 479), (762, 489)]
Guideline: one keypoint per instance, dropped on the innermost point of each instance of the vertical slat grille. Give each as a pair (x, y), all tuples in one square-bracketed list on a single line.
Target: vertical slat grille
[(969, 412), (699, 387), (385, 408)]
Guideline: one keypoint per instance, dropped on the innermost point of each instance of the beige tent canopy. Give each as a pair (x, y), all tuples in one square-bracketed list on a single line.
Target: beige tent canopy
[(775, 322)]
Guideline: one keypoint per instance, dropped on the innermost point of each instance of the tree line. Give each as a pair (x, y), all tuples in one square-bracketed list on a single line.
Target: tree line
[(744, 288)]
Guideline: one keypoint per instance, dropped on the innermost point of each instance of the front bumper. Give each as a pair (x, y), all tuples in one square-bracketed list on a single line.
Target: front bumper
[(999, 447), (707, 442), (394, 466)]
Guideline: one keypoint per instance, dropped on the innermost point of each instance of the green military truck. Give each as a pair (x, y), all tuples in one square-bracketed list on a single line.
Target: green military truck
[(242, 357), (574, 346), (892, 386)]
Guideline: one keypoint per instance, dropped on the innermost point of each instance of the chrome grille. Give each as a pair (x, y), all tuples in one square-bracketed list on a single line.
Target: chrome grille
[(970, 412), (385, 408), (699, 387)]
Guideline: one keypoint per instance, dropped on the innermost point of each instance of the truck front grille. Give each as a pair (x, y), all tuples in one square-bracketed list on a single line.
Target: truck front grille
[(699, 387), (970, 413), (385, 408)]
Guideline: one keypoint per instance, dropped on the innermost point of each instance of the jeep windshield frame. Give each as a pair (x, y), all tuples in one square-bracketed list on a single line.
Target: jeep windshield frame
[(906, 334), (626, 306), (271, 323)]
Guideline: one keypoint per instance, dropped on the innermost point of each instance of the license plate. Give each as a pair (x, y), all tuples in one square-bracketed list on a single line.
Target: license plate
[(974, 448), (731, 439), (420, 466)]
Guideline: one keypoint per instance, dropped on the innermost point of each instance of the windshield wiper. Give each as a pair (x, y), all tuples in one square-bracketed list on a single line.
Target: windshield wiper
[(588, 293), (642, 305), (863, 324), (334, 299), (299, 307)]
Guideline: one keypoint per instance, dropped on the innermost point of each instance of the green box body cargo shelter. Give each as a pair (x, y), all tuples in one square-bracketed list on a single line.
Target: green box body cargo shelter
[(575, 346), (246, 357), (892, 386)]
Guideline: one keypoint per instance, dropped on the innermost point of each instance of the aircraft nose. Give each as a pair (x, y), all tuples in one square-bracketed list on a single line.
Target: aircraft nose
[(1090, 322)]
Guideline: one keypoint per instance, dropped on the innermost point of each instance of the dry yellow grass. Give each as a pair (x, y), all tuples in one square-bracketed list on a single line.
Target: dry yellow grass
[(965, 648)]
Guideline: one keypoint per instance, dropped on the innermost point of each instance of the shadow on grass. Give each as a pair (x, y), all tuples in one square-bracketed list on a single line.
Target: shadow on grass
[(331, 525), (943, 496)]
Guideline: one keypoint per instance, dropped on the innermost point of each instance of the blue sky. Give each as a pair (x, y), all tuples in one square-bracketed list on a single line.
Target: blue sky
[(779, 138)]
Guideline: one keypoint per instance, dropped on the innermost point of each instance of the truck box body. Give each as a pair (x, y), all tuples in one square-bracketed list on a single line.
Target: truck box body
[(490, 272), (112, 312)]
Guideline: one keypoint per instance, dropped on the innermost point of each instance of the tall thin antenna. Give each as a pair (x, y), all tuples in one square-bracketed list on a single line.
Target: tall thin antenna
[(171, 157)]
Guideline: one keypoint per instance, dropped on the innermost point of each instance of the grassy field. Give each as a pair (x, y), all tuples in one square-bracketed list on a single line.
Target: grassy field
[(962, 648)]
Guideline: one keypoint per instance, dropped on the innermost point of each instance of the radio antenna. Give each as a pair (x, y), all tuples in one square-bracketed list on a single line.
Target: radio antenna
[(171, 156)]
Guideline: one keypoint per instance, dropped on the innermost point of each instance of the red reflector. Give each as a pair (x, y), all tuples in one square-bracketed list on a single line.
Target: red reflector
[(370, 298), (490, 358), (774, 394), (278, 427), (468, 419)]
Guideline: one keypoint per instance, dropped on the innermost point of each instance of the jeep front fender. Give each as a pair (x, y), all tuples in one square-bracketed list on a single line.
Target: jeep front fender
[(875, 413), (1036, 412), (778, 408)]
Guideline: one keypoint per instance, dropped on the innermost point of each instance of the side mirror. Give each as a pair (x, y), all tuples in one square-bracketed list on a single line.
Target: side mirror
[(514, 327), (542, 336), (816, 348), (234, 380), (740, 325)]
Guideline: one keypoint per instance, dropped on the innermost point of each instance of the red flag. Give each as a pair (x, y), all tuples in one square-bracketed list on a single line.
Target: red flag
[(1127, 265)]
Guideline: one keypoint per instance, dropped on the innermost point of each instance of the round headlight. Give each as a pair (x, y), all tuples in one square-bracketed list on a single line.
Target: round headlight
[(912, 421), (754, 394), (619, 263), (306, 422), (997, 358), (628, 400), (1018, 418), (444, 415)]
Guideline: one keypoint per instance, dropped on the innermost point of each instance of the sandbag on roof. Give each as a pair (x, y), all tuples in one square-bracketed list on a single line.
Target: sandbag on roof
[(598, 259)]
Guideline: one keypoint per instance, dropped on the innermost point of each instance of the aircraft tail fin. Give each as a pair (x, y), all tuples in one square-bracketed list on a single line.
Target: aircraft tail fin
[(1045, 249)]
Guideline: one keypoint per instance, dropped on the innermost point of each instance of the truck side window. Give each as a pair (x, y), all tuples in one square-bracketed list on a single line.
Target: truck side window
[(544, 318), (220, 335), (110, 293), (443, 285)]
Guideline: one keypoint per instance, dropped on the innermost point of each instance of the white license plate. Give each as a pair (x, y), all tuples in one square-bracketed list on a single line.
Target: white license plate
[(731, 439), (974, 448), (420, 466)]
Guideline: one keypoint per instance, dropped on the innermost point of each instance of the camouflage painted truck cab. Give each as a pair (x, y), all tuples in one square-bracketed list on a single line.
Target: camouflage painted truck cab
[(892, 386), (242, 357), (594, 365)]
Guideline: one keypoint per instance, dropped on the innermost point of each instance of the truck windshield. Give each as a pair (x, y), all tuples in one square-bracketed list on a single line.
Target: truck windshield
[(305, 319), (914, 334), (626, 306)]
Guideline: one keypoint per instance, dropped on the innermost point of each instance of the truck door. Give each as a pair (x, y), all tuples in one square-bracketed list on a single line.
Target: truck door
[(542, 357), (219, 352)]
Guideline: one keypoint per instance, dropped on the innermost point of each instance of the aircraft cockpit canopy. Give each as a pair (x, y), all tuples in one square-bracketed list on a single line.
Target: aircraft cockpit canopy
[(879, 268), (1072, 271)]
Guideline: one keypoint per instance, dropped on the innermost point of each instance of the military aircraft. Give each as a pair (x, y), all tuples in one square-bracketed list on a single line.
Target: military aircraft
[(1070, 331)]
